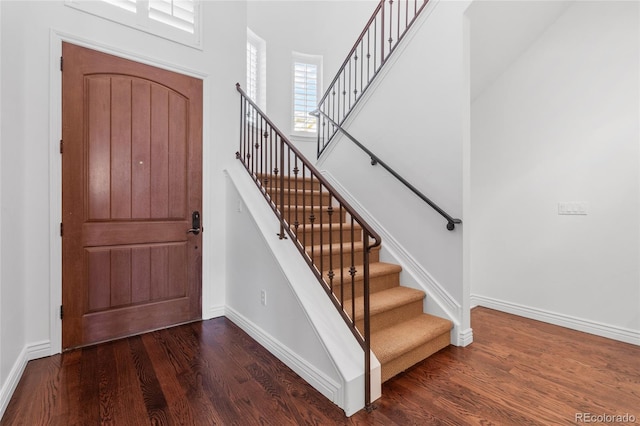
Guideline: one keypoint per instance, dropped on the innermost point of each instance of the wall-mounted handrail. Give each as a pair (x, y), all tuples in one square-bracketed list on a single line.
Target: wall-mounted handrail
[(320, 222), (451, 222), (387, 26)]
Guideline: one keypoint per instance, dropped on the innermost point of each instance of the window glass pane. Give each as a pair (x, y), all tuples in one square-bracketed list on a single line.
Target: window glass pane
[(252, 71), (305, 96), (177, 13)]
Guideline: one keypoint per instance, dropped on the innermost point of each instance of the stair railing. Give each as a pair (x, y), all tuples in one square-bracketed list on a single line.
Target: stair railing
[(387, 26), (333, 238), (451, 222)]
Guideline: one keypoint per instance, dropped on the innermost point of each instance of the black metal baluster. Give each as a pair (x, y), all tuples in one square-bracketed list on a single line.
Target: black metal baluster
[(296, 222), (352, 272), (247, 139), (312, 220), (399, 14), (368, 55), (390, 25), (361, 68), (342, 283), (382, 40), (344, 97), (239, 152), (304, 208), (321, 213), (288, 181), (331, 274), (406, 19), (282, 236), (349, 89), (367, 320)]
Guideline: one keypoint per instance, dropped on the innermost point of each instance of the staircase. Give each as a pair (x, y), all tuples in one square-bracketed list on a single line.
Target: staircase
[(401, 334), (341, 249)]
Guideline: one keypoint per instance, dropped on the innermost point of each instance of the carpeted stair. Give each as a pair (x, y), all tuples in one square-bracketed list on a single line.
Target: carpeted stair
[(401, 333)]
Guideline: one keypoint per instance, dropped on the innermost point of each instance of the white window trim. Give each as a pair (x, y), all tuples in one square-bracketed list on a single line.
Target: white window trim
[(261, 83), (307, 59), (141, 20)]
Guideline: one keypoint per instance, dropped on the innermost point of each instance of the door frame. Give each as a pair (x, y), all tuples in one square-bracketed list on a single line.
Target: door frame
[(55, 171)]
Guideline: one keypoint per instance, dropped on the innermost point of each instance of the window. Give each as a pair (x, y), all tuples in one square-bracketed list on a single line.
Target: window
[(176, 13), (307, 70), (177, 20), (256, 69)]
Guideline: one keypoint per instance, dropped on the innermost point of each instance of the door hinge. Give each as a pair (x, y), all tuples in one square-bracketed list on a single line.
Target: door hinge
[(61, 229), (61, 146), (61, 312), (61, 62)]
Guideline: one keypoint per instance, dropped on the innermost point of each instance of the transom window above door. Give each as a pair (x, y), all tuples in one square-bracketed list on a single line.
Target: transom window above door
[(176, 20)]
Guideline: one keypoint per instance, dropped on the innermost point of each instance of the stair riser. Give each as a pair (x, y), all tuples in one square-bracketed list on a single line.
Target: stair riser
[(307, 198), (378, 283), (325, 237), (291, 214), (338, 262), (408, 359), (392, 316), (290, 182)]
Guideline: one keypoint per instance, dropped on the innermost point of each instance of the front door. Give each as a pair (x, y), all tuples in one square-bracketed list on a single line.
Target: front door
[(131, 197)]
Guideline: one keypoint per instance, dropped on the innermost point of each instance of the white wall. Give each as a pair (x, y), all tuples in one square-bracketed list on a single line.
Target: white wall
[(12, 203), (31, 35), (296, 321), (561, 125), (327, 28), (413, 119)]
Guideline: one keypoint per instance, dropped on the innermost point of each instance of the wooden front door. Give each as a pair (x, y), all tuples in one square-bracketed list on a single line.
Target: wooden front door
[(131, 182)]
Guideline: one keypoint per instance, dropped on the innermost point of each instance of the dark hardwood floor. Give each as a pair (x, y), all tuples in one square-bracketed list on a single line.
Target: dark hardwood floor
[(516, 372)]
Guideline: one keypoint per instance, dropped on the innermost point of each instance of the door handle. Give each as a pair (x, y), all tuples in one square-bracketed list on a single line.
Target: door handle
[(195, 223)]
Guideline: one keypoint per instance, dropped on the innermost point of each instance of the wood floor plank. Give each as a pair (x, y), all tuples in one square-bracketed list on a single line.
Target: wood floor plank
[(517, 371), (89, 395), (131, 407), (154, 399)]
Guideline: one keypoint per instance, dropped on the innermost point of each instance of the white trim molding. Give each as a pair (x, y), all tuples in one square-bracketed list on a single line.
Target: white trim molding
[(580, 324), (213, 312), (28, 353)]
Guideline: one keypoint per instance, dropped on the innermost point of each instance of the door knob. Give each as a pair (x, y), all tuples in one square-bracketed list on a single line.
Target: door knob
[(195, 223)]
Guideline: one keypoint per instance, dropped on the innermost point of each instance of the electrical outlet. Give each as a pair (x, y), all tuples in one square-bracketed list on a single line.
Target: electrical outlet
[(263, 297)]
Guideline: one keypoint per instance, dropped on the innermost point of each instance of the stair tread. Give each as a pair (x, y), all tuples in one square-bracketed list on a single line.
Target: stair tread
[(393, 341), (385, 300)]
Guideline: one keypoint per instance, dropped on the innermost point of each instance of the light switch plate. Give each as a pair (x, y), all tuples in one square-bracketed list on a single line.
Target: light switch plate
[(572, 208)]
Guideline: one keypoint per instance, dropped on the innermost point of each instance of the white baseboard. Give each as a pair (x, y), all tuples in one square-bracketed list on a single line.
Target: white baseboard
[(323, 384), (213, 312), (28, 353), (462, 338), (574, 323)]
